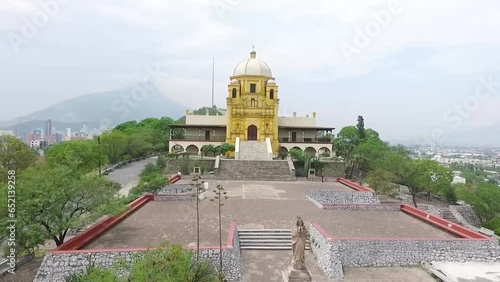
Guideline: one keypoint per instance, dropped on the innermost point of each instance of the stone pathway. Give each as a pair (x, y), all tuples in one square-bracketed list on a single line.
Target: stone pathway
[(267, 265)]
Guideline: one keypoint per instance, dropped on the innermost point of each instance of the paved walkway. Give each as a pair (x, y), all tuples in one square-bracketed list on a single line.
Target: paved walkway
[(128, 176)]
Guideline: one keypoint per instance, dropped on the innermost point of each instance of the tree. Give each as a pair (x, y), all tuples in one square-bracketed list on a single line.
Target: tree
[(165, 263), (345, 142), (224, 148), (373, 151), (209, 149), (14, 155), (85, 152), (114, 145), (432, 177), (361, 128), (296, 154), (51, 200), (484, 199), (381, 181)]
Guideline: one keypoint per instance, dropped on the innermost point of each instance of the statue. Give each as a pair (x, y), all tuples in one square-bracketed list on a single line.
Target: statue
[(299, 237), (298, 271)]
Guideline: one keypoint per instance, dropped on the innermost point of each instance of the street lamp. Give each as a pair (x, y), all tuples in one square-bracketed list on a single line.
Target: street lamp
[(220, 194), (198, 187), (99, 143)]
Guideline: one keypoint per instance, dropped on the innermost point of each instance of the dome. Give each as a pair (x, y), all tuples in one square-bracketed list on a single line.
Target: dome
[(271, 81), (252, 66), (235, 81)]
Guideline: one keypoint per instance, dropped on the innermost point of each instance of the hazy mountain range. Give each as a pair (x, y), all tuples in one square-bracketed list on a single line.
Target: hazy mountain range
[(108, 108)]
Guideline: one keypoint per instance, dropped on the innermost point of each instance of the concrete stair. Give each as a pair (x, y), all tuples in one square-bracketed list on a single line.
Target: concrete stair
[(274, 170), (267, 239), (253, 150), (446, 213)]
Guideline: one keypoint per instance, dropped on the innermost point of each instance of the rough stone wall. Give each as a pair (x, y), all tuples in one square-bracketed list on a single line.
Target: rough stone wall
[(468, 215), (176, 189), (430, 209), (342, 197), (334, 169), (186, 166), (173, 198), (55, 267), (389, 253), (361, 207), (326, 253)]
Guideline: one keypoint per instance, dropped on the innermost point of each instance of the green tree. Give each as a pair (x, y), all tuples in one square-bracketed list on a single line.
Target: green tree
[(224, 148), (373, 151), (484, 199), (114, 145), (361, 128), (209, 149), (345, 142), (381, 181), (14, 155), (85, 152), (432, 177), (296, 154), (51, 200)]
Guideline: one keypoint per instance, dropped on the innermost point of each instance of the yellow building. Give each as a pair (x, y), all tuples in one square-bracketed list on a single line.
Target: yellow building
[(251, 121)]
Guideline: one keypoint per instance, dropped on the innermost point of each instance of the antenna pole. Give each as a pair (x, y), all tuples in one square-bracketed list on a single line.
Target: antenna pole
[(213, 79)]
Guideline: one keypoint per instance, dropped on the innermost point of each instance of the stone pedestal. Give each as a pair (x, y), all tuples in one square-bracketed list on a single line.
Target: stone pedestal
[(293, 275)]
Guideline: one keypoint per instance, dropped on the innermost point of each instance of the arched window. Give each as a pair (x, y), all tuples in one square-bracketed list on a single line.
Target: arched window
[(271, 94), (252, 103), (234, 92)]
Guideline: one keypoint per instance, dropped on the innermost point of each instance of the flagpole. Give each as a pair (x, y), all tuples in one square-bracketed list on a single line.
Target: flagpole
[(213, 79)]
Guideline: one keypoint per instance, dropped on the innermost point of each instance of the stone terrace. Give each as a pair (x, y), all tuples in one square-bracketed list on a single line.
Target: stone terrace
[(256, 205)]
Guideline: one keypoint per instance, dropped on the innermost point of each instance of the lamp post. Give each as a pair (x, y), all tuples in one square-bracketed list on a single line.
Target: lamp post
[(220, 194), (99, 148), (197, 195)]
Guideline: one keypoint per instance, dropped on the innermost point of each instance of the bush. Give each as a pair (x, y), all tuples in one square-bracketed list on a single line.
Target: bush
[(166, 263)]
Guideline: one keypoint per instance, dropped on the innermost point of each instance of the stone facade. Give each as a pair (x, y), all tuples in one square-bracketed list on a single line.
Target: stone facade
[(177, 197), (466, 216), (389, 253), (362, 207), (327, 256), (334, 169), (343, 197), (176, 189), (56, 266), (186, 166)]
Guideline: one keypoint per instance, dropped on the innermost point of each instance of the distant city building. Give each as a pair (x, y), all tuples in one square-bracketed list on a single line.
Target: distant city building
[(30, 137), (68, 132), (7, 132), (38, 144), (48, 127), (37, 131), (458, 180), (58, 137)]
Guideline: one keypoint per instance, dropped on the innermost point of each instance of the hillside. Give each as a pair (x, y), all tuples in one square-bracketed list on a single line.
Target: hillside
[(98, 108)]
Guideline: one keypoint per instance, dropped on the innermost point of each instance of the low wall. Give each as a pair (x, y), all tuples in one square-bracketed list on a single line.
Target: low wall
[(175, 197), (401, 252), (342, 197), (335, 253), (333, 169), (327, 255), (58, 264), (353, 185), (467, 215), (176, 189), (186, 166), (362, 207)]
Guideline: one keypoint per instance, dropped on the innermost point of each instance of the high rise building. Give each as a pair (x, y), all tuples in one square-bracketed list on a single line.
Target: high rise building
[(48, 128)]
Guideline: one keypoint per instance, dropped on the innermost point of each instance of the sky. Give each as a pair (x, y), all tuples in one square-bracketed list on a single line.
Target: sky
[(415, 70)]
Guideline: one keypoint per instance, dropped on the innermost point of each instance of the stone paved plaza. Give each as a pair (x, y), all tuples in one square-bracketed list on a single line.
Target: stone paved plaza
[(256, 205)]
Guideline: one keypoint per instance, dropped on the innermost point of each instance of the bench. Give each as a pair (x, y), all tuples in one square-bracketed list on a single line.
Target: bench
[(486, 232)]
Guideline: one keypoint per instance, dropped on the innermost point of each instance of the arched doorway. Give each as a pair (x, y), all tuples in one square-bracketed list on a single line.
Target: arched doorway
[(252, 132)]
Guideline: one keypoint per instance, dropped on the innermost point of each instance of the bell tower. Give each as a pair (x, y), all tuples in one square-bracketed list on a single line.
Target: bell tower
[(252, 103)]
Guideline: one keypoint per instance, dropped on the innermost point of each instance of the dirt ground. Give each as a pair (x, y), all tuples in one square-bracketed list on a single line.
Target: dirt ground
[(255, 205), (25, 272)]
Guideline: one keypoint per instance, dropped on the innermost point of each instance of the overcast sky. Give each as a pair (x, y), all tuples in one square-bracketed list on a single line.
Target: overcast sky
[(403, 65)]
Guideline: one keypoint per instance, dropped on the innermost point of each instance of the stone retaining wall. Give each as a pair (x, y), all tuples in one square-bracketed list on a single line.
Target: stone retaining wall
[(389, 253), (333, 169), (343, 197), (362, 207), (186, 166), (176, 189), (327, 257), (467, 214), (429, 209), (56, 266), (172, 198)]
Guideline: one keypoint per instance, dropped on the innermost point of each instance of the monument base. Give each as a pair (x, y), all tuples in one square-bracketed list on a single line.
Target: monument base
[(293, 275)]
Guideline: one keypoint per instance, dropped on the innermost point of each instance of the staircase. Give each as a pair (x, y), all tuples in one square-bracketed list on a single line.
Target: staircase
[(267, 239), (253, 150), (446, 213), (274, 170)]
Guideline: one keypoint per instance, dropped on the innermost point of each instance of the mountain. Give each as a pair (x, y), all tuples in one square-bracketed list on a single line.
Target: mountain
[(109, 108)]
